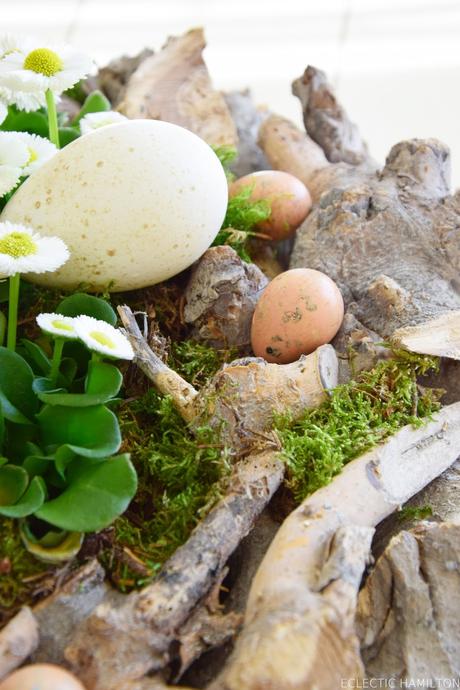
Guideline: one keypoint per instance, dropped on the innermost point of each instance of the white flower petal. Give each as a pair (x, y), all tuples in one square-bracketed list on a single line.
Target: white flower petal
[(3, 111), (9, 178), (13, 150), (49, 255), (9, 43), (58, 325), (39, 149), (93, 121), (103, 338)]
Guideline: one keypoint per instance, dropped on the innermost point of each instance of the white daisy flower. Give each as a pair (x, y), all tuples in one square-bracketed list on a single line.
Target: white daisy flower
[(103, 338), (58, 325), (41, 69), (3, 111), (93, 121), (10, 44), (14, 154), (40, 150), (22, 250)]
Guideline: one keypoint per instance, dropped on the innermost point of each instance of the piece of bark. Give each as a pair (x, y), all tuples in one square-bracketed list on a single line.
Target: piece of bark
[(358, 348), (389, 239), (220, 298), (174, 85), (136, 638), (112, 78), (18, 639), (439, 337), (326, 120), (407, 615), (298, 628), (247, 118)]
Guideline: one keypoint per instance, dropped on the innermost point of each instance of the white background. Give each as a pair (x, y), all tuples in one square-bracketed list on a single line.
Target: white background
[(395, 63)]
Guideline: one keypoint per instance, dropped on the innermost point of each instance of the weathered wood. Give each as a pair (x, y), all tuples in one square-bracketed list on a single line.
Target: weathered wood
[(221, 296), (18, 639), (174, 85), (302, 598), (439, 336), (129, 641), (407, 614), (247, 118), (390, 239)]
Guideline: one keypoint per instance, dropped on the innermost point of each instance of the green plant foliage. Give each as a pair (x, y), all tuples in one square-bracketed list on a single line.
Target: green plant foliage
[(81, 303), (57, 439), (356, 417), (415, 513), (96, 102), (197, 363), (243, 215), (226, 155), (19, 121)]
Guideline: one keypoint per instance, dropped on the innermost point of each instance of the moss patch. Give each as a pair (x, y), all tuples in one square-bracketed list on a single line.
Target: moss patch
[(358, 415)]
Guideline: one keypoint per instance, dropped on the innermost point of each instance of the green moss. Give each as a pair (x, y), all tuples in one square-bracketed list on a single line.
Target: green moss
[(356, 417), (20, 573), (181, 475), (415, 513), (226, 155)]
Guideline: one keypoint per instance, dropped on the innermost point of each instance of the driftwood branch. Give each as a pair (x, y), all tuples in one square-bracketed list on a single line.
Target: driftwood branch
[(18, 639), (304, 611)]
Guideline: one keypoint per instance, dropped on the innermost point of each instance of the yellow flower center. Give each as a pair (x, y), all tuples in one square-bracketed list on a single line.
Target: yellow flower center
[(32, 156), (103, 339), (61, 325), (43, 61), (17, 244)]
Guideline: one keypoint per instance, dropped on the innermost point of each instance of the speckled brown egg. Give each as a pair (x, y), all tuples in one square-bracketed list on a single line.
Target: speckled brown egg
[(289, 199), (298, 311), (41, 677)]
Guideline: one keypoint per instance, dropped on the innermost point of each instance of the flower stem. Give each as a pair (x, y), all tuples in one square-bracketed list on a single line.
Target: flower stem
[(57, 356), (13, 302), (52, 118)]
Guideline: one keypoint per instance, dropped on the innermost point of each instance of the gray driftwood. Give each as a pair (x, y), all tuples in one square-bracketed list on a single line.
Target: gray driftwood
[(18, 639), (174, 85), (407, 617), (390, 238), (221, 296), (129, 641), (299, 625)]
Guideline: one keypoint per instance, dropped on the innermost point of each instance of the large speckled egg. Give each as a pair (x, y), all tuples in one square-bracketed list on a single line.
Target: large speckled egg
[(41, 677), (298, 311), (288, 197), (136, 203)]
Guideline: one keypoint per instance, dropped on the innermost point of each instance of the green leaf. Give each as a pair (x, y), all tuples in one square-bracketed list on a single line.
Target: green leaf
[(17, 401), (67, 135), (98, 494), (92, 432), (20, 121), (80, 303), (4, 290), (13, 483), (2, 430), (96, 102), (103, 383), (37, 465), (36, 356), (3, 325), (30, 502)]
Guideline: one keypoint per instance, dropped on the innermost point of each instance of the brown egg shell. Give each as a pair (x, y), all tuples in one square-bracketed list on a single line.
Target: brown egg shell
[(41, 677), (298, 311), (289, 199)]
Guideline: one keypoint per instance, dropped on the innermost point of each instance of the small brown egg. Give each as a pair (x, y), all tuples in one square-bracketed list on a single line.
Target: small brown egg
[(289, 199), (298, 311), (41, 677)]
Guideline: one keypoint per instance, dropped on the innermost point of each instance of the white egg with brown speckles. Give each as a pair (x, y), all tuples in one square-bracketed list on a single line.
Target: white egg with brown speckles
[(135, 202)]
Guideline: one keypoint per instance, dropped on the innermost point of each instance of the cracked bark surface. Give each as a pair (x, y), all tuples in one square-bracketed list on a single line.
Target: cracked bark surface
[(390, 237), (405, 614)]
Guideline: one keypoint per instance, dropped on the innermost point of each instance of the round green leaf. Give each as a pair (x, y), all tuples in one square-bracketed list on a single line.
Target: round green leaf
[(103, 383), (31, 500), (96, 102), (67, 135), (20, 121), (17, 401), (81, 303), (89, 431), (98, 494), (35, 356), (13, 483)]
